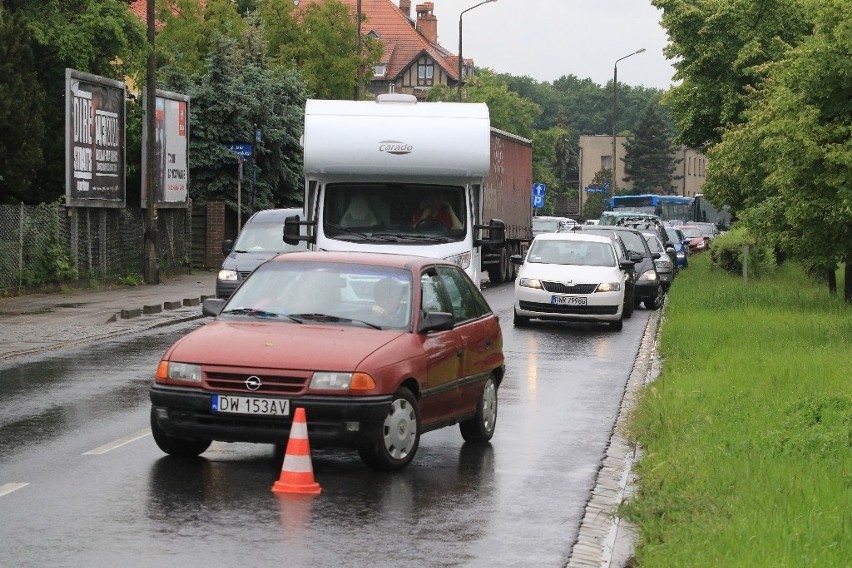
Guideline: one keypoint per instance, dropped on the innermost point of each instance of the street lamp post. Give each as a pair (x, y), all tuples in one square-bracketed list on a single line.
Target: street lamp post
[(461, 58), (614, 116), (357, 96)]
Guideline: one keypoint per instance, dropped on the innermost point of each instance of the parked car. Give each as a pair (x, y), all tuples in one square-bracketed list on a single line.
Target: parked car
[(649, 289), (307, 329), (709, 230), (680, 244), (666, 269), (571, 277), (698, 242), (261, 238), (549, 224)]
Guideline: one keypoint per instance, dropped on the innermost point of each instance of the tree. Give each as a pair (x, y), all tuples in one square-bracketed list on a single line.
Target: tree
[(100, 37), (595, 203), (21, 123), (237, 94), (321, 44), (789, 164), (719, 48), (649, 160)]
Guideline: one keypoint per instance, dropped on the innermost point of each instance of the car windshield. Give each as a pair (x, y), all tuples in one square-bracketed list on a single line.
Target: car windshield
[(545, 225), (582, 253), (654, 243), (706, 230), (263, 237), (690, 232), (395, 212), (314, 292), (634, 241)]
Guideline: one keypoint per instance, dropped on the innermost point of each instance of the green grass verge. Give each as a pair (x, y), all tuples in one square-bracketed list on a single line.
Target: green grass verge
[(747, 433)]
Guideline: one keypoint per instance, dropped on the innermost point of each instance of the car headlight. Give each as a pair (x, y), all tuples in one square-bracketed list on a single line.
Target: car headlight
[(664, 264), (324, 380), (179, 371), (648, 276), (463, 259), (530, 283), (229, 275), (681, 254), (609, 287)]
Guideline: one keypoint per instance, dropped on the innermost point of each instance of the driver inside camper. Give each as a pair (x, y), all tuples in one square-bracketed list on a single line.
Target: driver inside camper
[(435, 211)]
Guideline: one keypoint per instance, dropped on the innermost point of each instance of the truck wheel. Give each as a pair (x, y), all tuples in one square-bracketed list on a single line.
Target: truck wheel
[(178, 447), (397, 442), (497, 272)]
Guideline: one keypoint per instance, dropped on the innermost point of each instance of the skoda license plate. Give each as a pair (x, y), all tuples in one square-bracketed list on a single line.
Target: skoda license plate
[(568, 300), (250, 405)]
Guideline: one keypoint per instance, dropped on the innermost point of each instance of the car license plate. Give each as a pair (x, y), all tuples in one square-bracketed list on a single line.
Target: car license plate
[(250, 405), (568, 300)]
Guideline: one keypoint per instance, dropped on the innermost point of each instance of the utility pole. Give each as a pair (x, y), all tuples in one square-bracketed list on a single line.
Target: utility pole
[(357, 96), (152, 262)]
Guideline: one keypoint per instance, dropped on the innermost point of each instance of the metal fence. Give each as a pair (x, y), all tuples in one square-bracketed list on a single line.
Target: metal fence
[(54, 244)]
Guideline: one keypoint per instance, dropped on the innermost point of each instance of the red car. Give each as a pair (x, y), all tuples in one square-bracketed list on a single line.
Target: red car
[(377, 348), (698, 242)]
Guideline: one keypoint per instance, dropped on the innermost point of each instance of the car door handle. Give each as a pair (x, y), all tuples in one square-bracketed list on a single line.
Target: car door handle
[(459, 353)]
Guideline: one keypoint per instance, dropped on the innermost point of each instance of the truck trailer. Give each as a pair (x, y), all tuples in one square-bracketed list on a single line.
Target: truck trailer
[(402, 176)]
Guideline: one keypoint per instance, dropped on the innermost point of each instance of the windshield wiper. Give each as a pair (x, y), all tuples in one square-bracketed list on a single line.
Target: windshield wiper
[(330, 319), (252, 312), (414, 237), (365, 236)]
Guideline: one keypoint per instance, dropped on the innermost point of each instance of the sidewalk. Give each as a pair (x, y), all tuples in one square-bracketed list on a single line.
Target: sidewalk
[(42, 322)]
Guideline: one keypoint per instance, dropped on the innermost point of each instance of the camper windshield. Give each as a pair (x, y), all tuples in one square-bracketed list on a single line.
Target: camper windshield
[(388, 211)]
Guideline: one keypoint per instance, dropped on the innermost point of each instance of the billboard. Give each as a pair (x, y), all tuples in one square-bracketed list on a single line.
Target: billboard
[(171, 160), (94, 140)]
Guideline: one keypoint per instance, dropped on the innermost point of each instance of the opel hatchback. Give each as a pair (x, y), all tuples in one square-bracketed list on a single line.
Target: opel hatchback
[(571, 277), (377, 348)]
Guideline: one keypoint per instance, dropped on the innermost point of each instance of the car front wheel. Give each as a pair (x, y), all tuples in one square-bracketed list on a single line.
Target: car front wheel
[(397, 442), (178, 447), (520, 321), (480, 428)]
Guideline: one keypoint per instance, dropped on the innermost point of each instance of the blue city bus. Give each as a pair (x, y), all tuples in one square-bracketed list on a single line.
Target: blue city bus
[(666, 207)]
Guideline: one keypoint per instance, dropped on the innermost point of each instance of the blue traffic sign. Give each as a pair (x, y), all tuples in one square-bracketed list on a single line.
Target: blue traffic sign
[(538, 201), (539, 189), (594, 189), (243, 150)]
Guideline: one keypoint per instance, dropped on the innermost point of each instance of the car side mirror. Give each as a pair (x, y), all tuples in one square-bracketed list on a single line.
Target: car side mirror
[(670, 249), (655, 255), (293, 230), (496, 234), (435, 321), (627, 265), (516, 259), (634, 257), (212, 306), (227, 247)]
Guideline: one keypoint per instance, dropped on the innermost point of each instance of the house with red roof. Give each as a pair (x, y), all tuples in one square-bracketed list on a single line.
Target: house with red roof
[(413, 61)]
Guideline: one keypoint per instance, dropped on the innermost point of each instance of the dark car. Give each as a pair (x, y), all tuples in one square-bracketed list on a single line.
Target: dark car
[(261, 238), (314, 330), (648, 287)]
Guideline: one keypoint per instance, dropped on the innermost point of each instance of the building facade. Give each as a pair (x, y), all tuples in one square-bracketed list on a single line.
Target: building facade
[(596, 155)]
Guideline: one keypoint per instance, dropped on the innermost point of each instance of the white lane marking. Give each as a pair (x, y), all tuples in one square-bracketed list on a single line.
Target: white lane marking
[(9, 487), (118, 443)]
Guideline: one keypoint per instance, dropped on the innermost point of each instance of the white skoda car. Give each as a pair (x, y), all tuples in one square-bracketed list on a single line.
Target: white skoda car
[(571, 277)]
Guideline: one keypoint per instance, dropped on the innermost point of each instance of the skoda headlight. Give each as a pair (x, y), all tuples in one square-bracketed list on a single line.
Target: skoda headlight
[(228, 275), (609, 287), (462, 259), (530, 283)]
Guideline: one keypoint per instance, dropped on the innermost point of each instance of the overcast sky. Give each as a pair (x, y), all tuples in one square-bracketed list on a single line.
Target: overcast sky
[(546, 39)]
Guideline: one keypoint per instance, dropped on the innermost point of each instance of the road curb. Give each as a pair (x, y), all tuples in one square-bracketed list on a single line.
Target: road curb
[(604, 539)]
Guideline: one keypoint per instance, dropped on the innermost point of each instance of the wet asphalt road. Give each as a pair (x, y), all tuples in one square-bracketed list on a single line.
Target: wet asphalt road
[(74, 429)]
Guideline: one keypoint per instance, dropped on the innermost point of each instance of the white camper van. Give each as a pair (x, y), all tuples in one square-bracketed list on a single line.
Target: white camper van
[(397, 175)]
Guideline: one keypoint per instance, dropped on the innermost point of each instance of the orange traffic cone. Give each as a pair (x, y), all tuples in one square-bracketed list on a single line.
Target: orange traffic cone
[(297, 474)]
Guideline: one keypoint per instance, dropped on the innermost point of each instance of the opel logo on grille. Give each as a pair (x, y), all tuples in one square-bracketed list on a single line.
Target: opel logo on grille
[(253, 383)]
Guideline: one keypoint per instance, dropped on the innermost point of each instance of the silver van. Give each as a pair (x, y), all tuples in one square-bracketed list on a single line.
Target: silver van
[(261, 238)]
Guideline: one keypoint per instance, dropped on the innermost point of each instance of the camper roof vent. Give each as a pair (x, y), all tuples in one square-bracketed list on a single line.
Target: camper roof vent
[(396, 98)]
